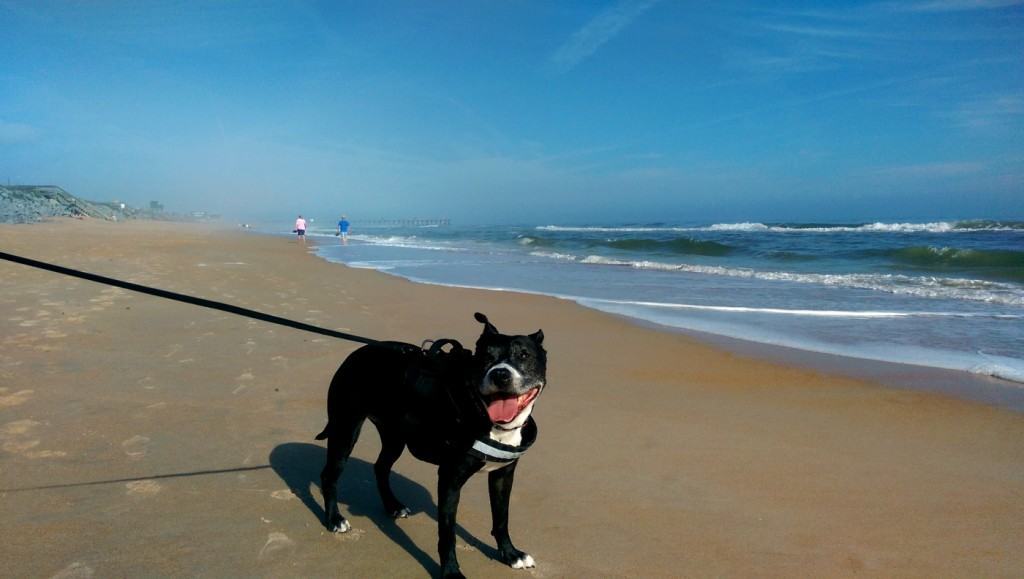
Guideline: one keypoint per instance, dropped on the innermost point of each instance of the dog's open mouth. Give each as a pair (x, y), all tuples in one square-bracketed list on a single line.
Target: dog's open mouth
[(503, 408)]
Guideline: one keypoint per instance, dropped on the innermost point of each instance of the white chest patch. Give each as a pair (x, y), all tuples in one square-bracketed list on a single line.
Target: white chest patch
[(509, 437), (512, 437)]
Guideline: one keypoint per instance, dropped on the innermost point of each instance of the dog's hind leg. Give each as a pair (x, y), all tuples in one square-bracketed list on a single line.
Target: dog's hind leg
[(340, 441), (391, 447)]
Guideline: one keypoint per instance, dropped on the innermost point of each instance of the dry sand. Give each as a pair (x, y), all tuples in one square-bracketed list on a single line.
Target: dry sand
[(143, 437)]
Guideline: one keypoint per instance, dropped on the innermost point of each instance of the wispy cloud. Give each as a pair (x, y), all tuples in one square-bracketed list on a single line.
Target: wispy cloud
[(951, 5), (995, 111), (602, 28), (800, 43), (823, 31), (942, 169), (806, 101), (16, 132), (799, 59)]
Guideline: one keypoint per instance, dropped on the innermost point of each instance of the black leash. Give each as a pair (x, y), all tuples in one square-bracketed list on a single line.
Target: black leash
[(187, 299)]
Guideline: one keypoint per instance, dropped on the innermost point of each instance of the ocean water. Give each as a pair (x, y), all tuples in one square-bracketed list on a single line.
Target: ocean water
[(945, 294)]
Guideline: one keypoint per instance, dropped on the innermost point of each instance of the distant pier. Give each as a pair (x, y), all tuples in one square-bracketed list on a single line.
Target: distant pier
[(442, 222)]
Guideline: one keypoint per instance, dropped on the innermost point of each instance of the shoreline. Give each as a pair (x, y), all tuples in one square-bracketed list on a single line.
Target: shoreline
[(957, 383), (144, 437)]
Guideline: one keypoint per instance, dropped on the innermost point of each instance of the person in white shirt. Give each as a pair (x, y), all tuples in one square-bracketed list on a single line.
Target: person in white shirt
[(300, 228)]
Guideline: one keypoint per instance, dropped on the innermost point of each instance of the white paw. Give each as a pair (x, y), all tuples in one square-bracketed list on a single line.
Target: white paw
[(342, 527), (402, 513), (523, 562)]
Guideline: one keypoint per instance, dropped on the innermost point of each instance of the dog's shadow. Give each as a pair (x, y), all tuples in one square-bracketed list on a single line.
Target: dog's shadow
[(299, 464)]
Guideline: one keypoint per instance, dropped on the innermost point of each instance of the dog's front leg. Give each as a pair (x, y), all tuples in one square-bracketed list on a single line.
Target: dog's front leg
[(450, 478), (499, 483)]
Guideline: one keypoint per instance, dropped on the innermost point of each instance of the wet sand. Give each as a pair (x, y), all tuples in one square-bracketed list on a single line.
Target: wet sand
[(144, 437)]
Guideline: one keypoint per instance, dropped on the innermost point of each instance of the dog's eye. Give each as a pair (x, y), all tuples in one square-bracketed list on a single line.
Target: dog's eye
[(523, 354)]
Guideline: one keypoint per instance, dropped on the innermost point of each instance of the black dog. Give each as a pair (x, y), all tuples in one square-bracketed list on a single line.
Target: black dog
[(464, 412)]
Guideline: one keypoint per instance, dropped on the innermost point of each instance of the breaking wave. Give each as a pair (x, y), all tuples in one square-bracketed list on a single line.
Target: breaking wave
[(917, 286), (875, 227), (408, 242)]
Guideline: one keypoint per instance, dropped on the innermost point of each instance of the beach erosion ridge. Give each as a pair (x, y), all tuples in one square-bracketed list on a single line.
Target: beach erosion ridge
[(147, 437)]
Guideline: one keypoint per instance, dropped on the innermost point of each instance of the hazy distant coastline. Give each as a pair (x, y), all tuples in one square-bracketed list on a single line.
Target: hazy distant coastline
[(34, 203)]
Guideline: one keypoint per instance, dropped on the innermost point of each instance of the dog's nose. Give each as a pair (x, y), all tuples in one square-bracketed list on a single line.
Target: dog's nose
[(501, 377)]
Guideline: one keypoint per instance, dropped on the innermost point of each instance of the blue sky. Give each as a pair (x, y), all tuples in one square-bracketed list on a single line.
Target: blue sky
[(522, 112)]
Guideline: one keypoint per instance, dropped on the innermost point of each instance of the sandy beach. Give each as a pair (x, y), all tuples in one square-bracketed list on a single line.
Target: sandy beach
[(141, 437)]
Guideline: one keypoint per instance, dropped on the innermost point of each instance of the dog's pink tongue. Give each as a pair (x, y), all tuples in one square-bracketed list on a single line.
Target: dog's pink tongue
[(503, 409)]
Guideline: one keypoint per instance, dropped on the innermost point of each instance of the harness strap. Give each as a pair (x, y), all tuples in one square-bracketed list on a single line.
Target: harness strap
[(494, 451)]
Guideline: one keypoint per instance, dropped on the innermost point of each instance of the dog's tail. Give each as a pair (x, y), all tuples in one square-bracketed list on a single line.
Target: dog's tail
[(326, 432)]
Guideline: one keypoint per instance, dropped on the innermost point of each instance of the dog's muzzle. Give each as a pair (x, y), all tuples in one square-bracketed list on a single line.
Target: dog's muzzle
[(504, 408)]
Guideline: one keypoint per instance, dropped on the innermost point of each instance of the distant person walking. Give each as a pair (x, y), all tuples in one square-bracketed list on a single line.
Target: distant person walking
[(300, 229), (343, 226)]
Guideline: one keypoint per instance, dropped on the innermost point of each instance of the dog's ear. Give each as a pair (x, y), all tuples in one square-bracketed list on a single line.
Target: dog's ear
[(488, 326), (538, 337)]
